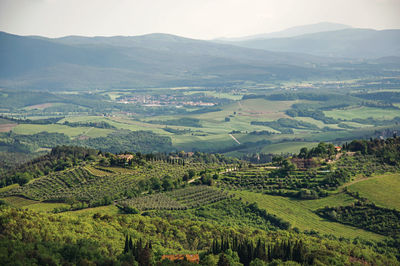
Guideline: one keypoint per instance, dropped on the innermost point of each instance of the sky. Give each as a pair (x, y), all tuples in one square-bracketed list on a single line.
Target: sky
[(200, 19)]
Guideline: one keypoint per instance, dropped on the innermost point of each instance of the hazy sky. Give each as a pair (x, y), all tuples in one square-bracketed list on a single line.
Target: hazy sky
[(202, 19)]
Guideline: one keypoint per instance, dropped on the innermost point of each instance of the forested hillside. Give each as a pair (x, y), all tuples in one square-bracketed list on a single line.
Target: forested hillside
[(81, 62), (161, 133), (78, 205)]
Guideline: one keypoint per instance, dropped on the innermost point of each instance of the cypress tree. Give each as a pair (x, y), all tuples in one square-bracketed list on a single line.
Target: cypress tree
[(126, 247), (214, 247), (235, 244), (250, 252), (144, 256), (289, 251), (259, 252), (130, 243)]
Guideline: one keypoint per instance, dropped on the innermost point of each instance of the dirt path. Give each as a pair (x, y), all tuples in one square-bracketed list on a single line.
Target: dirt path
[(234, 139), (84, 135), (193, 179), (87, 131)]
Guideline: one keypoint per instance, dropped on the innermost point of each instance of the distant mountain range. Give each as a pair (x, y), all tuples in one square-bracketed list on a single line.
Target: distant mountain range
[(327, 40), (74, 62), (292, 32)]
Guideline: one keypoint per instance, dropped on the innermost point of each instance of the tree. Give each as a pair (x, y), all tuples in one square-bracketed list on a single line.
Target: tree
[(303, 153), (155, 183), (191, 173), (145, 254), (223, 260), (167, 183), (258, 262), (126, 247), (277, 160), (210, 260), (206, 179)]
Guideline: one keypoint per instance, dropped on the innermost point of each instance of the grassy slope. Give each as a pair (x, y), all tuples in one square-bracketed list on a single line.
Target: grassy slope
[(3, 189), (276, 148), (20, 202), (28, 129), (300, 213), (109, 210), (362, 112), (383, 190), (288, 147)]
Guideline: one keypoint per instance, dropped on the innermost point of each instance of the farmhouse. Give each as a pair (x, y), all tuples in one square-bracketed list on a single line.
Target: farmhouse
[(194, 258)]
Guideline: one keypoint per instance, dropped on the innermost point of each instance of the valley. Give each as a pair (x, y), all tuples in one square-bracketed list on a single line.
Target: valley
[(184, 201), (199, 133)]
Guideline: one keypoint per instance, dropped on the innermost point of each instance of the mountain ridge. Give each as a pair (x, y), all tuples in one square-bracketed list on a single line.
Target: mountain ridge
[(291, 31), (150, 60), (348, 43)]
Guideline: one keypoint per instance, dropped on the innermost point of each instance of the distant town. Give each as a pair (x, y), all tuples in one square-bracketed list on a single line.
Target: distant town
[(161, 100)]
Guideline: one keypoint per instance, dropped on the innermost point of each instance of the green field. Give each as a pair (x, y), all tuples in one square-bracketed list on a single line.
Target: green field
[(109, 210), (288, 147), (4, 189), (383, 190), (214, 131), (216, 94), (20, 202), (29, 129), (300, 213), (363, 112), (318, 123), (213, 135), (83, 118)]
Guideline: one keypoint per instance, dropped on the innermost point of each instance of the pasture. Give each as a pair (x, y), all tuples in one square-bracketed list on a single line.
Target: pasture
[(29, 129), (301, 214), (109, 210), (288, 147), (383, 190), (19, 202), (363, 112)]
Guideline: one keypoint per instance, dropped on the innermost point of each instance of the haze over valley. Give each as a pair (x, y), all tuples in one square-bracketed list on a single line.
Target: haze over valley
[(199, 132)]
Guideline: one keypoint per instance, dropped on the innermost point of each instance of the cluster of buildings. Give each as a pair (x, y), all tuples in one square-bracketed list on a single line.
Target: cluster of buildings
[(162, 100)]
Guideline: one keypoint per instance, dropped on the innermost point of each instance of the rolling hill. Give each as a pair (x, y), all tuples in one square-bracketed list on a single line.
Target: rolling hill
[(347, 43), (292, 31), (151, 60)]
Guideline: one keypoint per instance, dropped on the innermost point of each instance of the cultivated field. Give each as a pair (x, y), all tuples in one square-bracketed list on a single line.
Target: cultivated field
[(29, 129), (230, 114), (301, 213), (383, 190), (363, 112)]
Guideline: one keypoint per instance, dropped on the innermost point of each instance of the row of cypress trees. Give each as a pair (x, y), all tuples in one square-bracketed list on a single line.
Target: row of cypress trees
[(141, 251), (248, 251)]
